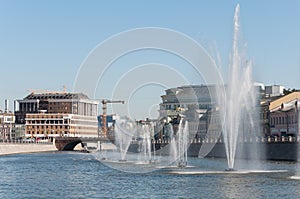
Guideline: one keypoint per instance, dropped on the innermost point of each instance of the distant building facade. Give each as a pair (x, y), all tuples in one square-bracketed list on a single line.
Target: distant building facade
[(53, 114), (200, 101), (60, 102), (176, 99), (198, 104), (18, 131), (274, 90), (60, 124), (284, 115), (7, 120)]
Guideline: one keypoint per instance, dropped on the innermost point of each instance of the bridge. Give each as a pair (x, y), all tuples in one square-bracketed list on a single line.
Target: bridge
[(69, 143)]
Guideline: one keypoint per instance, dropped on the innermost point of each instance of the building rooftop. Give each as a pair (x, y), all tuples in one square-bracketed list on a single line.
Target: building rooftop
[(286, 99), (190, 93), (54, 95)]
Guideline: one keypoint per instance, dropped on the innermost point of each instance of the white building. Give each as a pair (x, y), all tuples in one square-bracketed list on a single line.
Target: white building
[(274, 90), (7, 119)]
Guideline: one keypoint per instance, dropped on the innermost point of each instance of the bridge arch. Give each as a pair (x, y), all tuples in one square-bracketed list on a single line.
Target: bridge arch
[(66, 143)]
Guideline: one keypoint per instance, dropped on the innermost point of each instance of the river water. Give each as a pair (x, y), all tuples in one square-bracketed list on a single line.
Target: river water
[(78, 175)]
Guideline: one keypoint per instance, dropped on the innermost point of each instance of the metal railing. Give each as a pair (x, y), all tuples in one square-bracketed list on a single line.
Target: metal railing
[(7, 141), (287, 139)]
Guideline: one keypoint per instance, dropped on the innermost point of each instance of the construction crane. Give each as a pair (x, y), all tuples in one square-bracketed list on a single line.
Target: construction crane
[(104, 110)]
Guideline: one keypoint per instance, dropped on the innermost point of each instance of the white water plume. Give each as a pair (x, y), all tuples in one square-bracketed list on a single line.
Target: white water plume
[(238, 104)]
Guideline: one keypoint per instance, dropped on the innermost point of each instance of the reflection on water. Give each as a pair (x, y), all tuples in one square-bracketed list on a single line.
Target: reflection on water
[(75, 175)]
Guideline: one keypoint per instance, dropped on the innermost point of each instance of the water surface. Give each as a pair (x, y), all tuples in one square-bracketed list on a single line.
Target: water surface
[(76, 175)]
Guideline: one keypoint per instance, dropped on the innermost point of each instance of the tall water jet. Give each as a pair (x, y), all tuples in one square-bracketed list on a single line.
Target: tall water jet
[(183, 133), (239, 102), (123, 136), (146, 143), (173, 145), (179, 143)]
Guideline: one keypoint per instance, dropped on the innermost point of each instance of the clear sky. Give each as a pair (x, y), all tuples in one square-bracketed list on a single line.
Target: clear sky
[(43, 43)]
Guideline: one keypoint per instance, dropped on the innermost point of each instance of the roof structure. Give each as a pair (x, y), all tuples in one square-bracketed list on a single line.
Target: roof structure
[(47, 96), (287, 99)]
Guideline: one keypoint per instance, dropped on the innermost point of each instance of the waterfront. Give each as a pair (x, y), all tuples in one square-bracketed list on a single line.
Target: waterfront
[(15, 147), (77, 175)]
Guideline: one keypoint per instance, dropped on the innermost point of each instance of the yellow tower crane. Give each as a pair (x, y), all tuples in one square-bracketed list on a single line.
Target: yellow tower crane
[(104, 110)]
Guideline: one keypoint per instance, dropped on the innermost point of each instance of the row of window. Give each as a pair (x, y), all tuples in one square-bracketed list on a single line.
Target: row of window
[(47, 122), (58, 109), (283, 120), (53, 127), (42, 132), (44, 116), (175, 106), (85, 123), (32, 106)]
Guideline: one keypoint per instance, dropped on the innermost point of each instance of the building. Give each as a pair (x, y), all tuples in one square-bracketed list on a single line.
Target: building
[(274, 90), (7, 120), (8, 129), (284, 115), (200, 101), (18, 131), (198, 104), (50, 114), (110, 123), (180, 98), (47, 125), (55, 102)]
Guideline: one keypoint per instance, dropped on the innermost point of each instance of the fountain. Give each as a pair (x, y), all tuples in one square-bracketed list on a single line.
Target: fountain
[(132, 147), (173, 147), (146, 144), (123, 136), (238, 104), (128, 132), (182, 144), (179, 143)]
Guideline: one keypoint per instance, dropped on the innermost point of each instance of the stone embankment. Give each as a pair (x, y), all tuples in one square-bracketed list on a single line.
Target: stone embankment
[(7, 148)]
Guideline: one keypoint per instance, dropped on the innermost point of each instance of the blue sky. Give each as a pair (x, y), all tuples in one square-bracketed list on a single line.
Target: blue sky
[(43, 43)]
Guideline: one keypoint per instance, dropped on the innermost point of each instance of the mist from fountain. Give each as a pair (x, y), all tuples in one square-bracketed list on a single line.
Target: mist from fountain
[(179, 143), (182, 143), (146, 143), (173, 143), (123, 136), (238, 104)]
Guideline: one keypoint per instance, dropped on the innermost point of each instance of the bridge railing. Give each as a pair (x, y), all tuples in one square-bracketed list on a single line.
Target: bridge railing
[(7, 141)]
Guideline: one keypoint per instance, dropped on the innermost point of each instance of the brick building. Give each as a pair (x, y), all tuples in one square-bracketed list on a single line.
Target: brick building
[(50, 114)]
